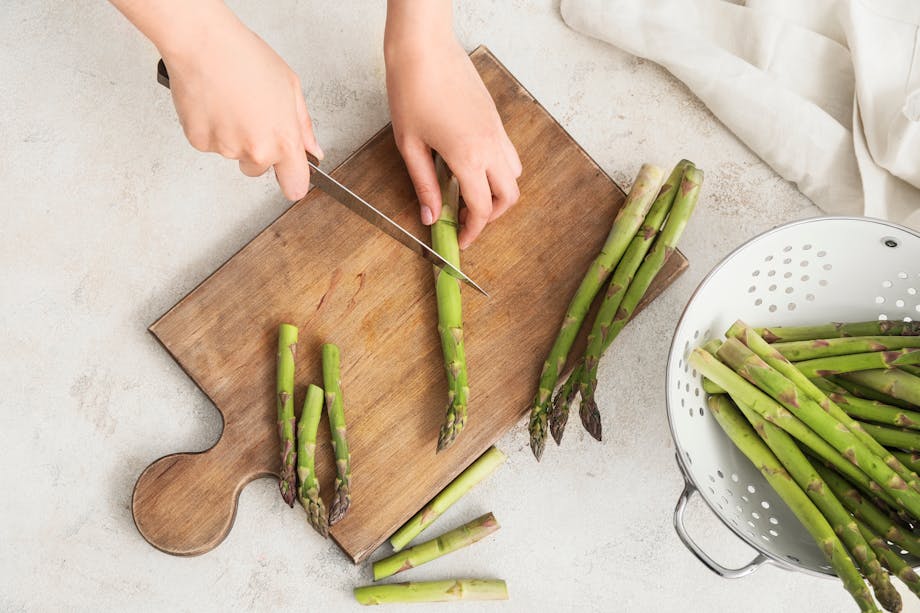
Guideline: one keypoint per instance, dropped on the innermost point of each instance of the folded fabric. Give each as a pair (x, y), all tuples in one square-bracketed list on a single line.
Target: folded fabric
[(827, 92)]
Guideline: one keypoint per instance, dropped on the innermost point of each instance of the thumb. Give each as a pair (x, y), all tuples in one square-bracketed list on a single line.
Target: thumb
[(420, 164)]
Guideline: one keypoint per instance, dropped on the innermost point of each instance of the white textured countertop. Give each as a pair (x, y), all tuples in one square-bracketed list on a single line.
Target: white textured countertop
[(109, 218)]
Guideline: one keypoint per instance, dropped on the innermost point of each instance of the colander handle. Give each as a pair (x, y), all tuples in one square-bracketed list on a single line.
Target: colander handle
[(728, 573)]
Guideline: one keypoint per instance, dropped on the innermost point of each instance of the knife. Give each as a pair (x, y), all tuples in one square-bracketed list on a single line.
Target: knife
[(365, 210)]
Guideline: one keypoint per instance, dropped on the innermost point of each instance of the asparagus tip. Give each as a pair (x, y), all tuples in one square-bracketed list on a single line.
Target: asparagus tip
[(339, 506), (591, 418)]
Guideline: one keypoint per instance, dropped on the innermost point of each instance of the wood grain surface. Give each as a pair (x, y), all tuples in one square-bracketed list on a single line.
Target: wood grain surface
[(340, 280)]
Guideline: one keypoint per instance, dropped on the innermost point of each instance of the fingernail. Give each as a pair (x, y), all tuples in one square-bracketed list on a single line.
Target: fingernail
[(427, 216)]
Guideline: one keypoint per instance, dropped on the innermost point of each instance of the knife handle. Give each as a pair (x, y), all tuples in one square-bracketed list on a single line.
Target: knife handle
[(162, 74)]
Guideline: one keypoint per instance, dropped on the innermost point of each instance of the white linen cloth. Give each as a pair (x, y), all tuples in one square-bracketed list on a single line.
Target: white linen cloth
[(827, 92)]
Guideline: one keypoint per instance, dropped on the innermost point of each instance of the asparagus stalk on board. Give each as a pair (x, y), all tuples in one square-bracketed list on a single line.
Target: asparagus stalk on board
[(908, 440), (432, 591), (835, 365), (836, 330), (627, 222), (475, 472), (796, 351), (864, 510), (306, 460), (284, 390), (746, 440), (450, 319), (744, 392), (862, 391), (458, 538), (620, 301), (804, 474), (891, 560), (778, 364), (893, 382), (752, 367), (332, 382)]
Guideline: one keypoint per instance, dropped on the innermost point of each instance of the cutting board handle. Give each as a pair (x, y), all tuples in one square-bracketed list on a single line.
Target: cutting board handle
[(185, 503)]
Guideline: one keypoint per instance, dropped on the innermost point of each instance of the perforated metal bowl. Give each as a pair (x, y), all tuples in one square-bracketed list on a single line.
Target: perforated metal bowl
[(806, 272)]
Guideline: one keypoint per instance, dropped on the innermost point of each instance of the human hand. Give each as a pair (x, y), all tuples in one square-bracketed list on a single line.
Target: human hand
[(438, 101), (234, 95)]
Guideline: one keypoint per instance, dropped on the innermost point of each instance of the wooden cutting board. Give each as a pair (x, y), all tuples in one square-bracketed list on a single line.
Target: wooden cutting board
[(340, 280)]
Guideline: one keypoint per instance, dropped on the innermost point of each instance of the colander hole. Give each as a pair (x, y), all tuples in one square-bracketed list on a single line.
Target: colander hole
[(789, 290), (734, 477), (804, 263), (696, 392), (686, 346), (787, 260), (821, 253), (689, 459), (787, 248), (772, 308), (827, 267), (765, 537), (720, 506), (792, 557), (887, 284), (806, 247), (721, 476), (902, 275), (917, 308), (680, 363), (879, 300), (809, 297), (738, 509), (759, 302), (774, 521), (755, 515), (791, 306), (805, 277), (682, 403), (765, 504), (712, 491), (769, 258), (908, 319), (696, 334), (744, 498), (752, 289), (701, 411), (751, 524), (691, 412), (751, 533), (756, 273), (912, 291), (711, 478), (882, 317), (693, 373), (771, 273), (774, 533), (904, 552), (724, 500), (751, 489), (687, 388), (823, 282), (786, 275), (772, 287), (899, 303), (686, 368)]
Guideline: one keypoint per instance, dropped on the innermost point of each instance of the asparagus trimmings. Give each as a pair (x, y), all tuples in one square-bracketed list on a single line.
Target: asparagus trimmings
[(308, 492), (450, 320), (433, 591), (627, 222), (332, 382), (284, 390), (749, 443)]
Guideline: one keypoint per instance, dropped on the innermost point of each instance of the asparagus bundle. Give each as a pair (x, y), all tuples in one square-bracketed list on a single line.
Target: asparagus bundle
[(332, 382), (851, 401), (627, 222), (450, 321), (287, 350)]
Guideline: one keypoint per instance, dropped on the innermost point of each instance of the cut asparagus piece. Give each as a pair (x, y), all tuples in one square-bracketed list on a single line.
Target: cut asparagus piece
[(432, 591), (284, 395), (908, 440), (458, 538), (835, 365), (749, 443), (894, 382), (621, 301), (332, 382), (755, 343), (796, 351), (308, 492), (833, 330), (450, 318), (475, 472), (864, 510), (891, 560), (627, 222)]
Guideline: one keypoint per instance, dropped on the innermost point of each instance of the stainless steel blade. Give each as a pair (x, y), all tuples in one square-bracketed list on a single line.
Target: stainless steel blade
[(362, 207)]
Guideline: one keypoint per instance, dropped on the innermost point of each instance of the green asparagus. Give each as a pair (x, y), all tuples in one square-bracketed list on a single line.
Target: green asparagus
[(332, 382), (308, 492), (832, 330), (891, 560), (432, 591), (284, 390), (835, 365), (893, 382), (796, 351)]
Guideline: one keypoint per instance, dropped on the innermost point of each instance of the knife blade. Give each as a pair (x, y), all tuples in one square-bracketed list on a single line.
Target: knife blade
[(365, 210)]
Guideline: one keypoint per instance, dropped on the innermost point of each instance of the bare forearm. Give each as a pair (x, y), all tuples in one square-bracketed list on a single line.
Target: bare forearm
[(410, 22), (176, 26)]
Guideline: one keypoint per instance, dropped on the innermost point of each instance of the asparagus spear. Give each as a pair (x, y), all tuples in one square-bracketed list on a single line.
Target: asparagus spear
[(908, 440), (620, 302), (627, 222), (832, 330), (862, 391), (450, 319), (835, 365), (458, 538), (563, 401), (746, 440), (804, 474), (432, 591), (914, 370), (711, 388), (841, 437), (868, 512), (287, 349), (875, 411), (909, 459), (306, 457), (890, 559), (893, 382), (781, 365), (332, 382), (475, 472), (796, 351)]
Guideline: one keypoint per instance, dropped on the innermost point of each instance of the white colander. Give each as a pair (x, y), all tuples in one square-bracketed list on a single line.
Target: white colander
[(806, 272)]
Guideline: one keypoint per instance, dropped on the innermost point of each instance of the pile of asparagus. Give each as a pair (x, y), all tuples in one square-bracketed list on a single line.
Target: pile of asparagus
[(644, 234), (404, 559), (297, 476), (830, 415)]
